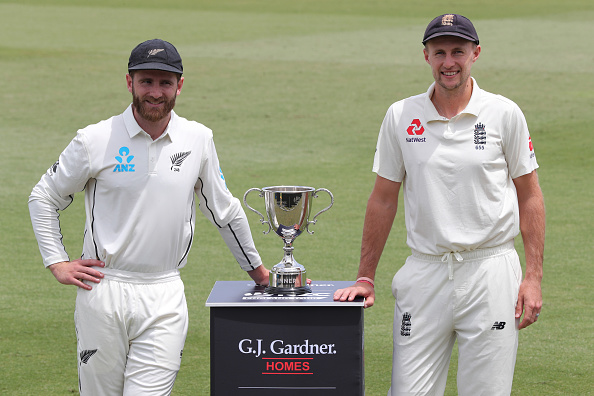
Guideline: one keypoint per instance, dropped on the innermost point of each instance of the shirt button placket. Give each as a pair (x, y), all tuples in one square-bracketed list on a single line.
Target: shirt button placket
[(450, 130), (152, 157)]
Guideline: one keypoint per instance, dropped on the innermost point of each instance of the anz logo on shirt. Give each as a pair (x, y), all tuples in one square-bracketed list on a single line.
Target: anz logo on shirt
[(124, 161)]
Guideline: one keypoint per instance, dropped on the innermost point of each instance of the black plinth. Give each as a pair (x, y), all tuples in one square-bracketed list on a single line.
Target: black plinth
[(265, 344)]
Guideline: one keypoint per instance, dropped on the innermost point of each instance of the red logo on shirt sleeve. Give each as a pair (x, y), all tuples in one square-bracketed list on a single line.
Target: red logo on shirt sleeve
[(530, 146)]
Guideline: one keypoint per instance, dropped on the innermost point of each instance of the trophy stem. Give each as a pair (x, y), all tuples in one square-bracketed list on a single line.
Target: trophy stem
[(288, 259)]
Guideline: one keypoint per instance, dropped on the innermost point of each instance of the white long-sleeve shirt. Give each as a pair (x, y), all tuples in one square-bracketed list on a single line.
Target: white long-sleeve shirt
[(139, 196)]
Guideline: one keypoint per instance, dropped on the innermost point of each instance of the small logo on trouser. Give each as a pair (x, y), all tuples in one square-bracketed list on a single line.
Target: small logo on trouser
[(498, 326), (406, 325), (86, 355)]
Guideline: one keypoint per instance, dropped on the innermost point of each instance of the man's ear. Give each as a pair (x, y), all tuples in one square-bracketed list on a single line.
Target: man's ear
[(129, 82), (180, 84), (477, 52)]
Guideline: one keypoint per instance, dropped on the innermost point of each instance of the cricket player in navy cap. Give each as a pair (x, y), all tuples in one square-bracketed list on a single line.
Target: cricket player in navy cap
[(142, 172), (467, 168)]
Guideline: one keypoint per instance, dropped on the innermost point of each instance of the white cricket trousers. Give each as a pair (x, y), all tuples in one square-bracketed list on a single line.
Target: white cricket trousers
[(131, 329), (465, 296)]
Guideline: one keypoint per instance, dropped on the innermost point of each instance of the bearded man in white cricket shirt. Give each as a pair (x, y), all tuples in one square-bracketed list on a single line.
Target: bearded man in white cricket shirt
[(141, 171)]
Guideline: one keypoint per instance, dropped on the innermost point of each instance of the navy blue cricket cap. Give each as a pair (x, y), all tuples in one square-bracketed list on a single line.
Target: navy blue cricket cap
[(155, 54), (451, 25)]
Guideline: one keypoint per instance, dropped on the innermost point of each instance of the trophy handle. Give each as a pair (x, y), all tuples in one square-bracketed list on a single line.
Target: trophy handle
[(315, 195), (262, 220)]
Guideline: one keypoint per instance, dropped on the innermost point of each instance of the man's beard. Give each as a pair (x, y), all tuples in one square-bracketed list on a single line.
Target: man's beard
[(152, 114), (464, 78)]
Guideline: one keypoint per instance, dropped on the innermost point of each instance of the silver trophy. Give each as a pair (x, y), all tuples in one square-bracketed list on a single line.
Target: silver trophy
[(288, 209)]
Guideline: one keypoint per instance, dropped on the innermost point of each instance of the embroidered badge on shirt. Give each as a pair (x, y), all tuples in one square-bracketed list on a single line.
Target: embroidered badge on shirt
[(480, 136), (125, 161), (178, 159), (416, 129)]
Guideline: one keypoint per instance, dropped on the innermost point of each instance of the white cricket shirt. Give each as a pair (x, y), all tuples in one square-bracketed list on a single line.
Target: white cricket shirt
[(139, 196), (457, 174)]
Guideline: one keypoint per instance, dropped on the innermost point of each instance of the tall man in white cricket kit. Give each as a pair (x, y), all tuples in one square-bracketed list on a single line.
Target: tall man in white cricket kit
[(141, 171), (465, 161)]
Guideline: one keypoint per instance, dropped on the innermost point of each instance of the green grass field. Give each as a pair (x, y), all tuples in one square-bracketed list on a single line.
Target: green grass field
[(295, 92)]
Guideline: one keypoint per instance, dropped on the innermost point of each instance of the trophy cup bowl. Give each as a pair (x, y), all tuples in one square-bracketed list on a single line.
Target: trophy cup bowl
[(288, 209)]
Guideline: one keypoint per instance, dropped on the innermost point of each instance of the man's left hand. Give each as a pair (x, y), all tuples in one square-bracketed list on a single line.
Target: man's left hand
[(529, 302)]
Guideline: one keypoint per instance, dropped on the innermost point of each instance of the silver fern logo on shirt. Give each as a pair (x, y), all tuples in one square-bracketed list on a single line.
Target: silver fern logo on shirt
[(178, 159)]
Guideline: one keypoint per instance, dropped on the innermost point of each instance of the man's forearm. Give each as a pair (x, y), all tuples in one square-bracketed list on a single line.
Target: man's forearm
[(532, 223), (379, 217), (533, 237)]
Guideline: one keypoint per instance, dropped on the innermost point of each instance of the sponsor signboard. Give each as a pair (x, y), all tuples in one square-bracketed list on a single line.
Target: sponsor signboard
[(263, 344)]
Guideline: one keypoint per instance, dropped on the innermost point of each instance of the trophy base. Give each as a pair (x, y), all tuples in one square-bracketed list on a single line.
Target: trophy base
[(288, 279), (288, 291)]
